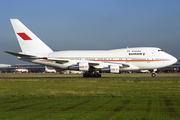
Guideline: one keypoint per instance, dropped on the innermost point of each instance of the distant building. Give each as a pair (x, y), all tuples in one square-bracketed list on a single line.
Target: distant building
[(175, 68)]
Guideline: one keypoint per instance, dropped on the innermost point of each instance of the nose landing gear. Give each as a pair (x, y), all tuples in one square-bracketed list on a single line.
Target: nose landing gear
[(154, 73)]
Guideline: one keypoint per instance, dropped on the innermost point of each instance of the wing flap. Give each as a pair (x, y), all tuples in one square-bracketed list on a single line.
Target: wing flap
[(60, 61), (125, 65)]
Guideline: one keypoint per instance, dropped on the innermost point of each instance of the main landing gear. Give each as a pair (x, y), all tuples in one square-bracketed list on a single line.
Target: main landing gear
[(87, 74)]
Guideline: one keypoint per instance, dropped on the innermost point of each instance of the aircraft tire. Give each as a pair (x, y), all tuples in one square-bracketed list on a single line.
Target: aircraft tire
[(96, 75), (85, 75), (153, 75)]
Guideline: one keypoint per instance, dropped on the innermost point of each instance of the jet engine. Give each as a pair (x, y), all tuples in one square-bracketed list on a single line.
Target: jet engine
[(81, 66), (111, 69), (114, 69)]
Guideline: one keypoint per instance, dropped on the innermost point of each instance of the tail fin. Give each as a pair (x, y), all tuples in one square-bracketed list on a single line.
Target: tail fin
[(29, 42)]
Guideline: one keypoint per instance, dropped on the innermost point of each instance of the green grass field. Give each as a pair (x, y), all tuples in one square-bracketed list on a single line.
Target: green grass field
[(72, 97)]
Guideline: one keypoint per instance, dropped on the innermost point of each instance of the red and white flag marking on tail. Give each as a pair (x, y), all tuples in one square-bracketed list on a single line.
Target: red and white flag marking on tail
[(24, 36)]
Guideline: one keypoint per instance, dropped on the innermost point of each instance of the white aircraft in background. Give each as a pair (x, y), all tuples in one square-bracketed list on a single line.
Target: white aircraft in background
[(21, 70), (91, 62), (49, 69)]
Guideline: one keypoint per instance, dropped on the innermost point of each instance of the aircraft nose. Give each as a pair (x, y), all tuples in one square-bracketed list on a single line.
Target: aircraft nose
[(174, 60)]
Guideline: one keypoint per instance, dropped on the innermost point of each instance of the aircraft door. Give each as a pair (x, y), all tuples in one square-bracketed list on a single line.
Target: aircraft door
[(152, 51), (149, 58)]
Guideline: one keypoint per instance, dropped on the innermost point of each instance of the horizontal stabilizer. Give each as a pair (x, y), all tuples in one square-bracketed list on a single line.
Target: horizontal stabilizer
[(25, 55)]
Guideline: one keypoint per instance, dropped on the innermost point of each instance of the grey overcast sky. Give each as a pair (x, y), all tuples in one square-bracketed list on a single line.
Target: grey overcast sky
[(92, 24)]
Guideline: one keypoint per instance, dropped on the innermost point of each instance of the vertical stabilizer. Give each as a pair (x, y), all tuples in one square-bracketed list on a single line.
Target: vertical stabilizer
[(29, 42)]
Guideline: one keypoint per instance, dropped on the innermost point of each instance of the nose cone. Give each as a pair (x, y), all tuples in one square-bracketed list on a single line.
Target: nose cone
[(171, 61), (174, 60)]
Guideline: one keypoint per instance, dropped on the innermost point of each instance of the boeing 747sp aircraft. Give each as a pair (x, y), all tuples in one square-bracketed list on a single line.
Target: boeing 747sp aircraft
[(91, 62)]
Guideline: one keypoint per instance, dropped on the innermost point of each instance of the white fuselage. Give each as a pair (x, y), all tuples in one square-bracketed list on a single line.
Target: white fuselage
[(140, 58)]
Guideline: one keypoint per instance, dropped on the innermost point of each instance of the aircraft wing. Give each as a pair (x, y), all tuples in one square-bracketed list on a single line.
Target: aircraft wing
[(96, 64), (71, 62), (60, 61)]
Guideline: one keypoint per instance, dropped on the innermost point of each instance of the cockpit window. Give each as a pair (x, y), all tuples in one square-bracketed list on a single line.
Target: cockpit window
[(160, 50)]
